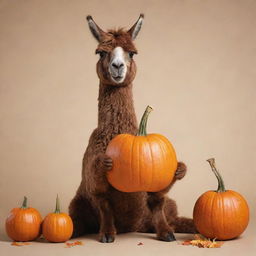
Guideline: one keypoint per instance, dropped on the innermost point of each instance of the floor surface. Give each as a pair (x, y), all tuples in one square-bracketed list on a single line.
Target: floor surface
[(127, 244)]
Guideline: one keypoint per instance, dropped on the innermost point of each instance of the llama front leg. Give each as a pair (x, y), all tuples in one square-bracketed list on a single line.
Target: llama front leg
[(107, 230), (156, 201), (100, 166), (94, 172)]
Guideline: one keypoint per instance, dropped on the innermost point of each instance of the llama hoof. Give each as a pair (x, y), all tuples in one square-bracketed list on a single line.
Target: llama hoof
[(167, 237), (107, 238), (181, 171)]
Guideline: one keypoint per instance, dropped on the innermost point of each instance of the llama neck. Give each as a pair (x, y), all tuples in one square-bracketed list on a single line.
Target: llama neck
[(116, 111)]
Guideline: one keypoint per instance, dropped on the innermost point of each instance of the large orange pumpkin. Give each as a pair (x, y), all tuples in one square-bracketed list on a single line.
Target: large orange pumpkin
[(221, 214), (23, 224), (146, 162), (57, 226)]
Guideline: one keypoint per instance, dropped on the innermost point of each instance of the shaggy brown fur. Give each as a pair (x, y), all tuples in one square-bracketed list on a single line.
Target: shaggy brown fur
[(97, 206)]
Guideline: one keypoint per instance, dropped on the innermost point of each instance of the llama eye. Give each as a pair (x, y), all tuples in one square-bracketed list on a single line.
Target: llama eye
[(101, 53), (131, 54)]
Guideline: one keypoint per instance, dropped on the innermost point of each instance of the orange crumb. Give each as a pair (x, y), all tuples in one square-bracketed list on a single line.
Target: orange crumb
[(203, 242), (19, 243), (69, 245)]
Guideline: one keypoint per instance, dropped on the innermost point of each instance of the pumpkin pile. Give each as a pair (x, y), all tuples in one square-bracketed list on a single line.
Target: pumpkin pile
[(221, 214), (25, 224), (145, 162)]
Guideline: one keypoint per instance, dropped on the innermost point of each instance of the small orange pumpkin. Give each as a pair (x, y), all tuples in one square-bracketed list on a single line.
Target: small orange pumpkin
[(57, 226), (23, 224), (221, 214), (145, 162)]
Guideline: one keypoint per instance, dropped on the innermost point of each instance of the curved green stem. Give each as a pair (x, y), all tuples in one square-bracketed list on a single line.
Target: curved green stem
[(221, 187), (143, 122), (57, 208), (24, 204)]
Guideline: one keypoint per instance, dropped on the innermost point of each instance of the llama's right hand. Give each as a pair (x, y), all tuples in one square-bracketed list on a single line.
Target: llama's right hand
[(103, 162)]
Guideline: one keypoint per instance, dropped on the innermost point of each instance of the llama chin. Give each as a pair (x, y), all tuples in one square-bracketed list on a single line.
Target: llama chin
[(118, 79)]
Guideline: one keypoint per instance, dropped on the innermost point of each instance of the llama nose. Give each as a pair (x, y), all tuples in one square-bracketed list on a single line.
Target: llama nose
[(117, 65)]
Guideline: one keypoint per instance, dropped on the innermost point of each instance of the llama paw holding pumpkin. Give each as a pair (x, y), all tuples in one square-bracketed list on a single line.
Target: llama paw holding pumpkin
[(103, 162), (181, 171)]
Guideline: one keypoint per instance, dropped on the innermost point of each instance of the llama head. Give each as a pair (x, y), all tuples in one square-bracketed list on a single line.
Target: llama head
[(116, 66)]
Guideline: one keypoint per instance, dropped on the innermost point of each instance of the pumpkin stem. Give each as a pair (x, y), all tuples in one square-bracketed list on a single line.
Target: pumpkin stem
[(57, 208), (221, 187), (143, 122), (24, 204)]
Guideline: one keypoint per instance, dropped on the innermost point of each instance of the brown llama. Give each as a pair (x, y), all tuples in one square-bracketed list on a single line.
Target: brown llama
[(98, 207)]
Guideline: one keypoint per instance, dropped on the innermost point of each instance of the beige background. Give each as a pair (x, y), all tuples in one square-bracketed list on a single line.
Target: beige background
[(196, 67)]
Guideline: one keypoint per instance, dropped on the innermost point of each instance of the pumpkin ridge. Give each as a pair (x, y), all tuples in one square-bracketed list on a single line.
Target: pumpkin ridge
[(233, 202), (234, 209), (124, 136), (172, 158), (223, 217), (204, 209), (231, 211), (219, 211), (152, 160), (140, 149), (162, 149), (132, 159), (166, 142), (212, 213), (30, 228), (209, 203)]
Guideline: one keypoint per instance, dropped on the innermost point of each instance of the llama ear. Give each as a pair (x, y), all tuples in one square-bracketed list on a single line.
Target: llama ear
[(95, 29), (135, 29)]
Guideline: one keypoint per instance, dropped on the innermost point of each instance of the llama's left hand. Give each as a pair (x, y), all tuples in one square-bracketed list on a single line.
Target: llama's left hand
[(181, 171)]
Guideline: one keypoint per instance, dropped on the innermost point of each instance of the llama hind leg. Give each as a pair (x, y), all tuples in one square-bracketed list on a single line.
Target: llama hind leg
[(83, 217), (180, 224), (164, 231)]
